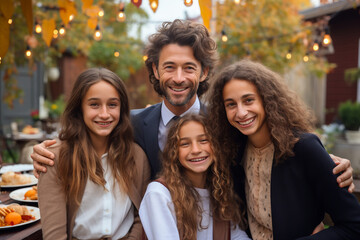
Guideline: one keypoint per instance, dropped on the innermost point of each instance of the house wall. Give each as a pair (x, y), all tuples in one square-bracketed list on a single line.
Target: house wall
[(345, 33)]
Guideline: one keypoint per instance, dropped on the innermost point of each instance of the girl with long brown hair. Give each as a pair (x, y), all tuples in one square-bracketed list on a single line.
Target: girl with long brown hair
[(289, 182), (100, 174), (193, 196)]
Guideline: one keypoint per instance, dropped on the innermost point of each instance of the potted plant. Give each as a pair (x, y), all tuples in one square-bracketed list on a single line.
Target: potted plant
[(349, 113)]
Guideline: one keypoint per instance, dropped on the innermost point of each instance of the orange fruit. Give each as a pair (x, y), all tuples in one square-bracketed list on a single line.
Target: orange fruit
[(30, 193), (13, 218)]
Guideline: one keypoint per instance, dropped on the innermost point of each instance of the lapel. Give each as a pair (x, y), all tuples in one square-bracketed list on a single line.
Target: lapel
[(151, 129)]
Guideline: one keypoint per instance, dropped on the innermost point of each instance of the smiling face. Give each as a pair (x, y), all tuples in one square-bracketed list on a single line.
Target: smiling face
[(101, 110), (195, 152), (179, 74), (245, 111)]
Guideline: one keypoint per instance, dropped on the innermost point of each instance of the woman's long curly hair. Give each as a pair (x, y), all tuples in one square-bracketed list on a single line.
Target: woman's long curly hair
[(78, 160), (183, 33), (224, 203), (286, 115)]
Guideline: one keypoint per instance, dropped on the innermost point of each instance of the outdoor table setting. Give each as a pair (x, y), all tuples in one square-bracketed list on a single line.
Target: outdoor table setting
[(19, 212)]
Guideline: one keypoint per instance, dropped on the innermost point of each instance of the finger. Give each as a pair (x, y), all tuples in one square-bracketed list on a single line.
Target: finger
[(39, 167), (40, 150), (41, 160), (346, 183), (335, 159), (48, 143), (351, 188), (36, 174), (343, 165), (347, 174)]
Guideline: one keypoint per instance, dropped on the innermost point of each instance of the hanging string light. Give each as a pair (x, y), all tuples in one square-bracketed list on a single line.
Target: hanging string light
[(237, 1), (288, 55), (55, 33), (188, 3), (306, 57), (10, 21), (62, 31), (116, 53), (38, 28), (120, 17), (71, 17), (28, 52), (97, 34), (315, 47), (145, 58), (101, 13), (224, 38), (327, 38), (153, 5)]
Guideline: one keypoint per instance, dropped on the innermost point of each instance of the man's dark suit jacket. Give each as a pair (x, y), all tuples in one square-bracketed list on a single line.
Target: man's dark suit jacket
[(146, 127)]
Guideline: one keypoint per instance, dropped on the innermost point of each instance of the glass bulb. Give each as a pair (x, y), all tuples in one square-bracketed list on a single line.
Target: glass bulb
[(224, 38), (120, 17), (71, 17), (316, 46), (28, 53), (145, 58), (327, 39), (55, 33), (306, 58), (153, 5), (116, 54), (38, 28), (101, 13), (288, 56), (237, 1), (188, 3), (62, 31), (10, 21)]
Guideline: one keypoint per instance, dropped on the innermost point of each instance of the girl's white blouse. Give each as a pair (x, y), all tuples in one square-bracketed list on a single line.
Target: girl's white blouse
[(103, 212)]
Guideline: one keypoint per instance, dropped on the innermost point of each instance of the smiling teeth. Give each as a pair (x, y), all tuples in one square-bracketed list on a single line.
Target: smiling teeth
[(178, 90), (103, 123), (198, 159), (247, 122)]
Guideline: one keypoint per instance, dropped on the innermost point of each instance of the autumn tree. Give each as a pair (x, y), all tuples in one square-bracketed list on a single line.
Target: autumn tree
[(268, 31)]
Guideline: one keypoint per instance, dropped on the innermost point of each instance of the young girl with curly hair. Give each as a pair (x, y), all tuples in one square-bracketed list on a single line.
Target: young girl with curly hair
[(289, 182), (194, 197), (100, 175)]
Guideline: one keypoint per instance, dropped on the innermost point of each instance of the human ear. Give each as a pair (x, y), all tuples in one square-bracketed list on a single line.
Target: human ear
[(156, 73), (204, 74)]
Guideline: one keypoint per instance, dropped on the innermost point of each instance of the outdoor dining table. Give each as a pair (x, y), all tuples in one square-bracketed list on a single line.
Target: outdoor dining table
[(28, 232)]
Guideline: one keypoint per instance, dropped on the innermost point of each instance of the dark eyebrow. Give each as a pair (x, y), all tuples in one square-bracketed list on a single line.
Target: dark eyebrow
[(187, 63), (201, 135), (111, 99), (242, 97)]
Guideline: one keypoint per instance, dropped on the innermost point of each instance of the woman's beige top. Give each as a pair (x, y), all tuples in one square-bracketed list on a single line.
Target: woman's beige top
[(257, 166)]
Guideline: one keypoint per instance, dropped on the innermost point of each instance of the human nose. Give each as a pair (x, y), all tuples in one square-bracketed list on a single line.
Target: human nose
[(179, 76), (104, 112), (195, 148), (241, 111)]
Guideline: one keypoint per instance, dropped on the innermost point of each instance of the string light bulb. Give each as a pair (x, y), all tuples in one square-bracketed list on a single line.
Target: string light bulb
[(38, 28), (306, 57), (116, 53), (327, 38), (10, 21), (121, 17), (28, 52), (188, 3), (0, 60), (55, 33), (71, 17), (62, 30), (101, 13), (315, 46), (224, 38), (288, 55), (237, 2), (145, 58), (97, 34)]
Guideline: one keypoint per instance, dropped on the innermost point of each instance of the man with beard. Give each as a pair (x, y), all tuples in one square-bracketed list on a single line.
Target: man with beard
[(181, 59)]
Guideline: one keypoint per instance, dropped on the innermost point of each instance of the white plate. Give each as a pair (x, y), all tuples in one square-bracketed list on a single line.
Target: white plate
[(16, 168), (33, 182), (18, 195), (33, 211)]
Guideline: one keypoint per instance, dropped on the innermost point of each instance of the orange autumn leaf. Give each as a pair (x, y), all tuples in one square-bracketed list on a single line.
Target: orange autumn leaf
[(4, 36), (26, 7), (92, 11), (67, 8), (7, 8), (92, 22), (206, 12), (86, 4), (48, 27)]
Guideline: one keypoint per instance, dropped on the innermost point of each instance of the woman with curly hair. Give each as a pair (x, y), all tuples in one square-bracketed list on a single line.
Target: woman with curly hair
[(100, 175), (194, 197), (289, 182)]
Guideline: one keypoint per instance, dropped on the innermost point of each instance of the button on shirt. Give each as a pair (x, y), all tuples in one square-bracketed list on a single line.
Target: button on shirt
[(167, 115), (103, 212)]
